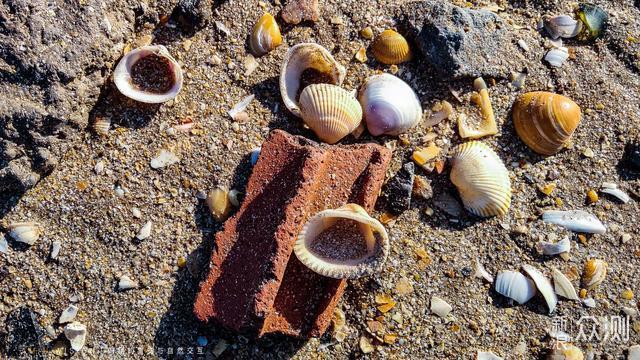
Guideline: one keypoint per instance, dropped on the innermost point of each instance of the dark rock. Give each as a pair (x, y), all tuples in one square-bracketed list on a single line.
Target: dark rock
[(460, 42), (631, 158), (23, 334), (398, 190), (447, 203), (193, 14)]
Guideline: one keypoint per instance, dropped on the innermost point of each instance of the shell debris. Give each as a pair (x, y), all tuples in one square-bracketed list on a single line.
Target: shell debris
[(563, 286), (440, 307), (544, 286), (76, 333), (391, 48), (488, 123), (514, 285), (594, 273), (25, 232), (68, 314), (265, 36), (574, 220), (145, 231), (125, 283)]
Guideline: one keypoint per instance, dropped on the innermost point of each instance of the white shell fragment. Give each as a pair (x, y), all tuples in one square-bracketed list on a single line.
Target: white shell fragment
[(25, 232), (164, 159), (612, 189), (574, 220), (634, 352), (482, 273), (562, 26), (145, 231), (563, 286), (514, 285), (589, 302), (557, 56), (487, 355), (240, 106), (126, 283), (122, 75), (4, 245), (68, 314), (440, 307), (548, 248), (77, 335), (56, 246), (544, 286)]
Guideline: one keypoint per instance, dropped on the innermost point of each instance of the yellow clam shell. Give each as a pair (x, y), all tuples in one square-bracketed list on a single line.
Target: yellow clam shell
[(345, 243), (330, 111), (390, 48), (481, 178), (545, 121), (265, 36), (595, 271)]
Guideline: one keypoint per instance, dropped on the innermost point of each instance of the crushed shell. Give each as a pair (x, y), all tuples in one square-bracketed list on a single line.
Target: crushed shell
[(391, 48), (563, 286), (544, 286)]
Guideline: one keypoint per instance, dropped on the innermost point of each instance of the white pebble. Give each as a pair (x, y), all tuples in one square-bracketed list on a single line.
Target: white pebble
[(55, 249), (126, 283), (164, 159), (99, 168), (77, 335), (589, 302), (68, 315), (440, 307), (523, 45), (145, 231), (136, 213)]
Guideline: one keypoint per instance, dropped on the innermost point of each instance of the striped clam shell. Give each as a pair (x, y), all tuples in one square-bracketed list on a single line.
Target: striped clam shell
[(330, 111), (481, 178), (265, 36), (545, 121), (389, 47), (101, 125), (334, 263)]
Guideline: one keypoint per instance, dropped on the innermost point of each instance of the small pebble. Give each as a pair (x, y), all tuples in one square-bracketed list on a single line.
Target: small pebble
[(125, 283), (627, 294), (55, 249), (145, 231), (202, 341), (136, 213), (164, 159), (367, 33), (589, 302), (68, 314), (588, 153), (593, 196)]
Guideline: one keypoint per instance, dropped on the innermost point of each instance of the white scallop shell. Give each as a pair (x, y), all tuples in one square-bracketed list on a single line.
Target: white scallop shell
[(300, 58), (372, 261), (389, 104), (481, 178), (574, 220), (544, 286), (122, 75), (514, 285), (563, 286), (25, 232)]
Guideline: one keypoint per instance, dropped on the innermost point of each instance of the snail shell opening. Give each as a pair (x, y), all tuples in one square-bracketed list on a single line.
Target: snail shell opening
[(344, 243), (148, 74)]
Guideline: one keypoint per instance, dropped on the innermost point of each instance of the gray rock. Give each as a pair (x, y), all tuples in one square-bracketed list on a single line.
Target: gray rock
[(193, 14), (399, 189), (460, 42)]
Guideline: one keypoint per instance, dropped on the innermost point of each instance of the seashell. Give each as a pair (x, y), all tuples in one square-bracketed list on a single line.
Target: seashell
[(25, 232), (125, 283), (219, 203), (305, 64), (594, 273), (389, 104), (563, 286), (487, 355), (514, 285), (165, 158), (483, 101), (633, 352), (557, 56), (574, 220), (344, 243), (544, 286), (148, 74), (330, 111), (390, 48), (4, 245), (145, 231), (482, 273), (68, 314), (440, 307), (561, 26), (101, 125), (265, 36), (594, 19), (545, 121), (481, 178), (440, 111), (612, 189), (241, 106), (564, 351), (548, 248), (589, 302), (76, 333)]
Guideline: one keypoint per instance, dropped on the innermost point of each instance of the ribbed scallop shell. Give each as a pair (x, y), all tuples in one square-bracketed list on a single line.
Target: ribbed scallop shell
[(265, 36), (514, 285), (481, 178), (545, 121), (330, 111), (101, 125), (373, 232), (389, 47), (389, 105), (123, 79), (300, 58)]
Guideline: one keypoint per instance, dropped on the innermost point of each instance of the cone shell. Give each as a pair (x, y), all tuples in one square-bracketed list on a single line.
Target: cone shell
[(330, 263), (481, 178), (595, 271), (389, 47), (122, 75), (304, 57), (545, 121), (265, 36), (330, 111)]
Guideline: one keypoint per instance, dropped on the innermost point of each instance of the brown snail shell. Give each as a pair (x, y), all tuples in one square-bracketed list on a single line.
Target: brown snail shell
[(390, 48), (545, 121)]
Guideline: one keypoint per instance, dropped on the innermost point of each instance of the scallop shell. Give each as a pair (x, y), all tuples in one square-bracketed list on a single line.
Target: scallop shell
[(389, 104), (594, 273), (330, 111), (122, 75), (514, 285), (25, 232), (265, 36), (545, 121), (481, 178), (302, 57), (544, 286), (339, 260), (390, 48)]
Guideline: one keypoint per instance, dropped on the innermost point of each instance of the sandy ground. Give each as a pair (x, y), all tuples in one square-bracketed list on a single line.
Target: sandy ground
[(96, 225)]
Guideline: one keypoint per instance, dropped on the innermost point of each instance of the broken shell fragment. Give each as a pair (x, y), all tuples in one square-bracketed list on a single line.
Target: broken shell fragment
[(148, 74), (125, 283), (389, 105), (76, 333), (544, 286), (488, 122), (557, 56), (481, 272), (306, 64), (391, 48), (440, 111), (101, 125), (345, 243), (548, 248), (481, 178), (330, 111), (561, 26), (25, 232), (594, 19), (612, 189), (68, 314), (487, 355), (563, 286), (440, 307), (574, 220), (594, 273), (265, 36), (545, 121), (514, 285), (145, 231)]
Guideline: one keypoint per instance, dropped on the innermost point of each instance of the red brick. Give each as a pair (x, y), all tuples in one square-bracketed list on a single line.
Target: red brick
[(256, 284)]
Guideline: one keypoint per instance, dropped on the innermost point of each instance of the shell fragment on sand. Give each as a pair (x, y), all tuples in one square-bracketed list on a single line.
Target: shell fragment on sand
[(440, 307), (544, 286), (76, 333), (574, 220), (514, 285), (68, 314)]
